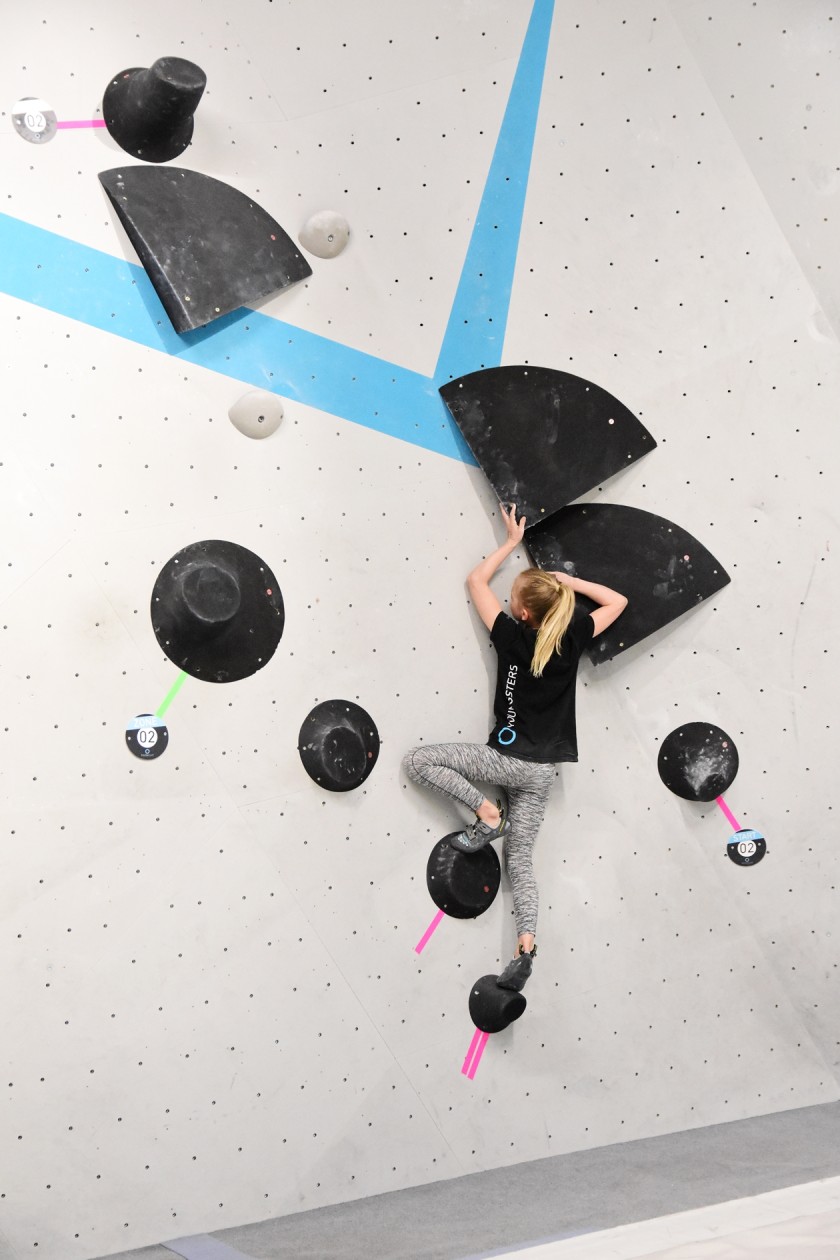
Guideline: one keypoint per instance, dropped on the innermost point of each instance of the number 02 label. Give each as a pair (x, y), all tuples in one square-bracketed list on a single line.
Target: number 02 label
[(146, 736)]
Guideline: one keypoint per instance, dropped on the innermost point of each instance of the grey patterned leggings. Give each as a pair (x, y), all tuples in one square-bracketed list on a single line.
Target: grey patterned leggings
[(448, 768)]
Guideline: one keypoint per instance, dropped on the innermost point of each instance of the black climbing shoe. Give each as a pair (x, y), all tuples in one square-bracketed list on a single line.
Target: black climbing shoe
[(516, 973), (478, 834)]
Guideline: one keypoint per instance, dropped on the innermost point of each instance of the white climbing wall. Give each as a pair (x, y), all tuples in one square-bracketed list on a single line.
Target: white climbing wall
[(213, 1009)]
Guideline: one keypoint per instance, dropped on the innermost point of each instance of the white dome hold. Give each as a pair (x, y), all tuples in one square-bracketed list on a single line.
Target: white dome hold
[(325, 234), (257, 414)]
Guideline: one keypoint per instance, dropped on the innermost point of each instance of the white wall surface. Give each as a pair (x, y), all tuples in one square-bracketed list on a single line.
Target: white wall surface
[(213, 1010)]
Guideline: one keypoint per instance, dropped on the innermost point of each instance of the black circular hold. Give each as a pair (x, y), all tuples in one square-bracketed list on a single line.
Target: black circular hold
[(492, 1008), (746, 847), (147, 736), (149, 112), (217, 611), (698, 761), (462, 885), (338, 745)]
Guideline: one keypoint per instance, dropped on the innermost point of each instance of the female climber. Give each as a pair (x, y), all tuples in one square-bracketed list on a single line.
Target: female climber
[(538, 648)]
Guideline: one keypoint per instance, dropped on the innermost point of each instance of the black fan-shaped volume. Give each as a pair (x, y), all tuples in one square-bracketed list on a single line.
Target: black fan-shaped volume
[(207, 248), (543, 437), (659, 566)]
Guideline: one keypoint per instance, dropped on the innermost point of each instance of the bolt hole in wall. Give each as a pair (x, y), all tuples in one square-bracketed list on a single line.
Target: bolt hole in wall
[(214, 992)]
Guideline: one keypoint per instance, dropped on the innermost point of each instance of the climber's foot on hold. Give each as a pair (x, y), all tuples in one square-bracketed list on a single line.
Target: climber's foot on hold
[(517, 972), (478, 834)]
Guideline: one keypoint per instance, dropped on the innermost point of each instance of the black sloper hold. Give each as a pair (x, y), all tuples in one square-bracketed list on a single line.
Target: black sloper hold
[(462, 885), (543, 437), (492, 1008), (207, 248), (698, 761), (659, 566), (149, 110), (217, 611), (338, 745)]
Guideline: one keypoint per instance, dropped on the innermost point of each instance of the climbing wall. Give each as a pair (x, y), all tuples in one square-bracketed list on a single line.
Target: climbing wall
[(214, 1011)]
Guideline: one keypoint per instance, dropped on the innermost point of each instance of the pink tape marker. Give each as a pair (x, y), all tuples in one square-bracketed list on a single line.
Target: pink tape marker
[(479, 1051), (85, 122), (424, 939), (730, 817), (468, 1060)]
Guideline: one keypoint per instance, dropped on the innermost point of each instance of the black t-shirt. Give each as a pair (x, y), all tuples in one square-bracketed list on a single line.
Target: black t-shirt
[(535, 717)]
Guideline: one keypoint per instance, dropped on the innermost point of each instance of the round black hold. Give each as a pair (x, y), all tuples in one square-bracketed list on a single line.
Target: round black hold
[(698, 761), (746, 847), (217, 611), (146, 736), (492, 1008), (338, 745), (149, 112), (462, 885)]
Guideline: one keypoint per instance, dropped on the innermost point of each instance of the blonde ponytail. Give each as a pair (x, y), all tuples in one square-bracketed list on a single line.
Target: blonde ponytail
[(552, 628), (551, 605)]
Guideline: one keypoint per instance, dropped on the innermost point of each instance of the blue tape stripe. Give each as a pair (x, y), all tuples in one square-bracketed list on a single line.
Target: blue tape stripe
[(335, 378), (114, 295), (475, 334), (82, 283)]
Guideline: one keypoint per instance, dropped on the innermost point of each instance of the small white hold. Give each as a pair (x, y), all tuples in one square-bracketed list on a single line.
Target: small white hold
[(325, 234), (257, 414)]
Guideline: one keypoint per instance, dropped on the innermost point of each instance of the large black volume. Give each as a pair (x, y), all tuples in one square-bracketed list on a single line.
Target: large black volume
[(207, 248), (659, 566), (543, 437)]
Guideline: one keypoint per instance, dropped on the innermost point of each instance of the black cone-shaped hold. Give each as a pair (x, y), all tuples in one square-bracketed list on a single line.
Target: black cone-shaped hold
[(207, 248), (462, 885), (217, 611), (338, 745), (150, 112), (492, 1008), (698, 761), (659, 566), (543, 437)]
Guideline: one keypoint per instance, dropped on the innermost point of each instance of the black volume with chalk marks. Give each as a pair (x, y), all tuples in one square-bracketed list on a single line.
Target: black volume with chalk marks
[(659, 566), (207, 248), (698, 761), (543, 437), (217, 611), (462, 885), (338, 745)]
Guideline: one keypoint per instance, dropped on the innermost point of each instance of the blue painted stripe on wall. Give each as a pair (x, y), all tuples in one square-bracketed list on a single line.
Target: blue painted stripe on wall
[(114, 295), (475, 333)]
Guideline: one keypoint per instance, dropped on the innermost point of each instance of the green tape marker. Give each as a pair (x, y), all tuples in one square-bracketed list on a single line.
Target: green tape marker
[(171, 694)]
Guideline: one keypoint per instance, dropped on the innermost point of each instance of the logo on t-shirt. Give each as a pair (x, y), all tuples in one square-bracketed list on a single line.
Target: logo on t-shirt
[(507, 734)]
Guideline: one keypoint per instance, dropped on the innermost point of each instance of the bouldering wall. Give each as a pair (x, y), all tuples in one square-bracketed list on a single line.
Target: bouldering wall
[(215, 1011)]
